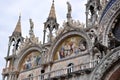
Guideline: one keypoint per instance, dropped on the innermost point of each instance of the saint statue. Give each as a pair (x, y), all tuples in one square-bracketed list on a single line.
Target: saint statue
[(31, 28), (31, 24), (69, 10)]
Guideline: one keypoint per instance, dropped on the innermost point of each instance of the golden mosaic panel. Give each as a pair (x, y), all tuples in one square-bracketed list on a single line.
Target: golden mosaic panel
[(32, 60), (70, 47)]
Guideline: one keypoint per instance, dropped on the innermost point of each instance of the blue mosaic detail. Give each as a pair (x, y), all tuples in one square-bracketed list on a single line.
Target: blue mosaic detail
[(107, 7)]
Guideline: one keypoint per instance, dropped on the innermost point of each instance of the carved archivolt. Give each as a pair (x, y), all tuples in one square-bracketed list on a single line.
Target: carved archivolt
[(26, 47), (64, 37), (27, 43), (26, 52), (32, 60), (105, 64), (107, 21)]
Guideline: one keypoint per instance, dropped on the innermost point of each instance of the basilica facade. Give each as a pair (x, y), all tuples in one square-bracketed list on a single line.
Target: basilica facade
[(75, 51)]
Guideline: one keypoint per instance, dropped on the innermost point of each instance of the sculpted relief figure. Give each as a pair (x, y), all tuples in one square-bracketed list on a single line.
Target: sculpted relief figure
[(104, 2)]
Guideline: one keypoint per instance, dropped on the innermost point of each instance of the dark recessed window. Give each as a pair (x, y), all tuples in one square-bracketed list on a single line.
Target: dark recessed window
[(116, 29), (70, 68)]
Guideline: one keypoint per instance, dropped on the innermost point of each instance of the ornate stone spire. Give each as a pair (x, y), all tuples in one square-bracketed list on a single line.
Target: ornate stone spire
[(15, 38), (52, 14), (18, 27), (50, 24)]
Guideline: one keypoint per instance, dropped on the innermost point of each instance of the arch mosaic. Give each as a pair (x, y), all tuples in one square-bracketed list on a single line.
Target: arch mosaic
[(29, 59), (107, 21), (73, 41), (70, 46), (32, 60), (105, 64)]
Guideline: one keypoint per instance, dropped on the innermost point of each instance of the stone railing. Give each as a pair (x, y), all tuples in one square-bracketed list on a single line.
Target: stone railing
[(8, 70), (65, 71)]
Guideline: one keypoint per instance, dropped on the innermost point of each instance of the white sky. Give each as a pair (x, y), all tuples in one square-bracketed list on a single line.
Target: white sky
[(38, 10)]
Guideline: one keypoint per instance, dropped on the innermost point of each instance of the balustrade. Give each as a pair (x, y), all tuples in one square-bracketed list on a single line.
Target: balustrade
[(66, 71)]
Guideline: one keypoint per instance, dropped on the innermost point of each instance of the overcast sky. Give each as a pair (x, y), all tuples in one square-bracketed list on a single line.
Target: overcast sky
[(38, 10)]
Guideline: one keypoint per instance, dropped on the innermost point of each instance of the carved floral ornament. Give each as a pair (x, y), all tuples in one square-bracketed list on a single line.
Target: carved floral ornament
[(28, 42), (72, 25), (105, 64), (110, 12)]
